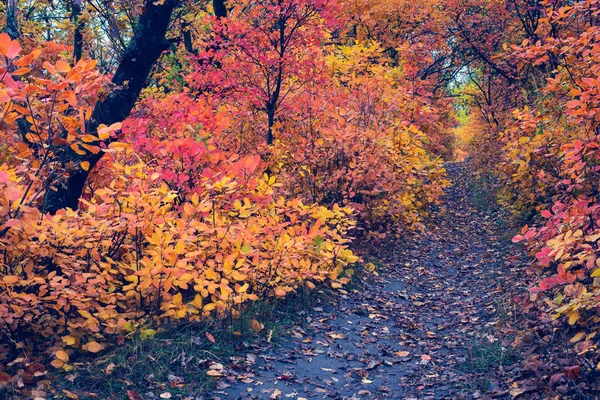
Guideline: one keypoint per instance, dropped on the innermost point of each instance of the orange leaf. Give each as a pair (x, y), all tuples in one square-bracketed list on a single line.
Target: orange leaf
[(62, 355), (49, 68), (62, 66), (4, 42), (10, 279), (210, 337), (21, 71), (13, 50), (10, 48), (93, 347), (256, 326)]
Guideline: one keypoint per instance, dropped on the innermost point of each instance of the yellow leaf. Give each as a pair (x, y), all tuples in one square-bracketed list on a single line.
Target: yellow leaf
[(370, 267), (188, 209), (573, 317), (85, 165), (228, 263), (197, 301), (243, 288), (238, 276), (105, 131), (57, 363), (280, 292), (524, 140), (180, 247), (147, 334), (578, 337), (211, 275), (128, 326), (88, 138), (558, 299), (177, 299), (69, 340), (119, 145), (85, 314)]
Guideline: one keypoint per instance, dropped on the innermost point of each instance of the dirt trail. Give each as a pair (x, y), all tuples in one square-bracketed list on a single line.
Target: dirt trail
[(414, 332)]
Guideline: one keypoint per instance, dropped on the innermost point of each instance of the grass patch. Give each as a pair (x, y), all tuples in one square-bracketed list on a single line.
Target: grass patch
[(482, 358), (485, 356), (176, 358)]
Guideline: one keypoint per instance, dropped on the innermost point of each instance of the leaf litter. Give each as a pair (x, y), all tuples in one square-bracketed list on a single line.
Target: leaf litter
[(408, 331)]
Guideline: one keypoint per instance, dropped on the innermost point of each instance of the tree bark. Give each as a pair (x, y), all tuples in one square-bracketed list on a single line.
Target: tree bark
[(139, 58), (12, 24), (271, 123), (78, 33), (220, 8)]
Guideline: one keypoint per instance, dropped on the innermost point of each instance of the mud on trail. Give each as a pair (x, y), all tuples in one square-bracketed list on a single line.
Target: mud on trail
[(424, 328)]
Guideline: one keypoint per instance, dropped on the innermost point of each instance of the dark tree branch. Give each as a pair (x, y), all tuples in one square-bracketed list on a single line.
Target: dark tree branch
[(139, 58)]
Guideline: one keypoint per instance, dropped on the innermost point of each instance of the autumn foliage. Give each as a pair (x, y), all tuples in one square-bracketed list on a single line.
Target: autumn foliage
[(560, 143), (266, 141), (544, 147), (246, 170)]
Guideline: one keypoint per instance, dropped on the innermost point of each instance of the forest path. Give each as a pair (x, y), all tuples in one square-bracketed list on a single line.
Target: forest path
[(423, 329)]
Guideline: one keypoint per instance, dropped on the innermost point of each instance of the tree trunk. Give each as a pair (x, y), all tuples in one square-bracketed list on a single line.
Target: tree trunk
[(78, 33), (12, 24), (220, 8), (139, 58), (271, 121)]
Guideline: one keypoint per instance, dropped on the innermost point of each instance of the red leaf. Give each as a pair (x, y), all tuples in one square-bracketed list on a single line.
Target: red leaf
[(572, 372), (556, 379), (546, 214), (4, 378)]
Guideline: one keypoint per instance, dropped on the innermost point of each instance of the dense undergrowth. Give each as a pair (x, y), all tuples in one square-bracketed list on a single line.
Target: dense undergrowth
[(257, 140), (243, 177), (543, 148)]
